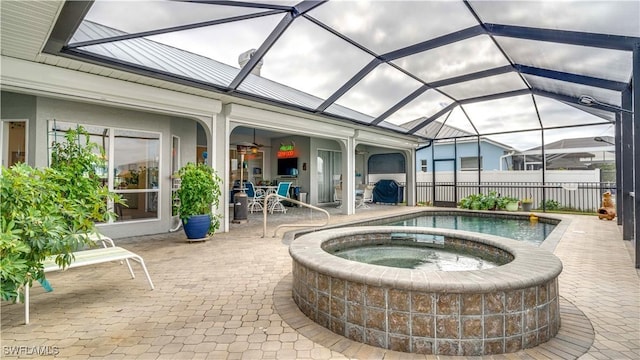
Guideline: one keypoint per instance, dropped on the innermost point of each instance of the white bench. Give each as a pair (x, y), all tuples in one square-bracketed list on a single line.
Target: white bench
[(91, 257)]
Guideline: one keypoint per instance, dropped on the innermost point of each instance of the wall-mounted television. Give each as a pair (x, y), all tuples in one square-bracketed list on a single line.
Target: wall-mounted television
[(288, 167)]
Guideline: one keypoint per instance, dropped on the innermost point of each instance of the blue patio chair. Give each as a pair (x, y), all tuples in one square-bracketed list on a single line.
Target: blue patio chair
[(255, 197), (283, 192)]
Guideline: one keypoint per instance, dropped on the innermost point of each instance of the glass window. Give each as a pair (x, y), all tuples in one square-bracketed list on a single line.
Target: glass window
[(97, 135), (469, 163), (14, 142), (133, 157), (136, 165), (423, 165)]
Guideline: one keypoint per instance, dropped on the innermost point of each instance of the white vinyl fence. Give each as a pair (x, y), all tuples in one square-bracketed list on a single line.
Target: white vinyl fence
[(572, 189)]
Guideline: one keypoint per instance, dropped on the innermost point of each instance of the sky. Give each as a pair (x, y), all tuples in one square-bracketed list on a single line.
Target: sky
[(313, 60)]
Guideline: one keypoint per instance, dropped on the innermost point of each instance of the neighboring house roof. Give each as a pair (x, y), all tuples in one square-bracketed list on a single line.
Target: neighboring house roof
[(447, 133), (574, 145), (575, 153), (585, 142)]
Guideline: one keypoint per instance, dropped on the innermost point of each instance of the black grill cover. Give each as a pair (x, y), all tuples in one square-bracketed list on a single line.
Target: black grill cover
[(388, 191)]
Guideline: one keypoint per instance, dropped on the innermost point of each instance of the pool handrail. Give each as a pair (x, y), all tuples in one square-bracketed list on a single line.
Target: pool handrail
[(264, 214)]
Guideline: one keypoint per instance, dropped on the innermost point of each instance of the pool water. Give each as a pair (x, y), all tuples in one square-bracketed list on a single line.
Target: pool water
[(523, 230), (413, 257)]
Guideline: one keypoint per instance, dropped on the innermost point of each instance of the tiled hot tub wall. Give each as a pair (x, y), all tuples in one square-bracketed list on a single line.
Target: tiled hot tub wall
[(449, 313)]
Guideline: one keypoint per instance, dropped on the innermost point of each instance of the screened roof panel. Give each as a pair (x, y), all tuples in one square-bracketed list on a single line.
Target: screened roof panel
[(126, 15), (320, 57), (424, 106), (574, 90), (510, 117), (328, 60), (555, 113), (458, 119), (378, 91), (605, 115), (459, 58), (607, 17), (395, 25), (223, 42), (518, 140), (485, 86), (600, 63), (272, 2)]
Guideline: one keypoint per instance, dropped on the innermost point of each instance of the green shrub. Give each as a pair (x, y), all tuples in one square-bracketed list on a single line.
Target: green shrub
[(490, 201), (49, 211), (550, 205)]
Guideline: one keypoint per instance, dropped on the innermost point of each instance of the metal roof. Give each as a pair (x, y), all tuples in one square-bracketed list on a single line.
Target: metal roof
[(484, 67)]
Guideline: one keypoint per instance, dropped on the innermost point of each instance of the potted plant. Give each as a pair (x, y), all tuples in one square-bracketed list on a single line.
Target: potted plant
[(527, 203), (199, 193), (508, 203)]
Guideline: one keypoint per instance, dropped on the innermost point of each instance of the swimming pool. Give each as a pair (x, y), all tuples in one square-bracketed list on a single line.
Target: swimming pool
[(493, 224), (415, 257)]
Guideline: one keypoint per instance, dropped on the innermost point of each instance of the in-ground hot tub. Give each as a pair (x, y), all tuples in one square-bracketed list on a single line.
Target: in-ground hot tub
[(473, 312)]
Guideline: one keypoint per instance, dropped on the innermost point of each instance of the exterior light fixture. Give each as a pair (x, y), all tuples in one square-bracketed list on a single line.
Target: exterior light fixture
[(599, 139), (590, 101)]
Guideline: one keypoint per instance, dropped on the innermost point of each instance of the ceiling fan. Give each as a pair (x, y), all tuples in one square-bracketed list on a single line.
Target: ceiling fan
[(253, 147)]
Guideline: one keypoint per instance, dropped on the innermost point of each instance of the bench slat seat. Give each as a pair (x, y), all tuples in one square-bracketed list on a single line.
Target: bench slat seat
[(91, 257)]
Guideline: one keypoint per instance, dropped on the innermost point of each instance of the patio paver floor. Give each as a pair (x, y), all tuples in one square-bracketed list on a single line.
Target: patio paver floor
[(227, 298)]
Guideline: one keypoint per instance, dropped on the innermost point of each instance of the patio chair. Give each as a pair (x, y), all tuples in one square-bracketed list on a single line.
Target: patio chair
[(367, 196), (283, 192), (255, 197), (337, 195)]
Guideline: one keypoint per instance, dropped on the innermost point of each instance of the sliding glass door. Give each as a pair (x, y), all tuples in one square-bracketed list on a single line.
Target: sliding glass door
[(329, 174)]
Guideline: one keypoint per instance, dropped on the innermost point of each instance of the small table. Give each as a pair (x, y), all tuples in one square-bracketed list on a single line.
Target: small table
[(268, 189)]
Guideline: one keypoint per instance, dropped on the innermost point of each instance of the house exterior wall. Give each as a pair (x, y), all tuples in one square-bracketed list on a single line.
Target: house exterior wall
[(84, 98), (40, 111), (490, 155)]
